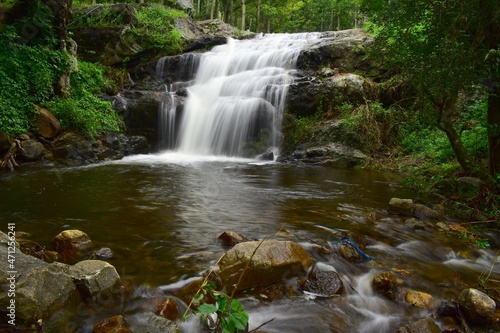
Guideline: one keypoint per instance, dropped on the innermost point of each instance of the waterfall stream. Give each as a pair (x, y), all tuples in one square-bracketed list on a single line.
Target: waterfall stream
[(236, 98)]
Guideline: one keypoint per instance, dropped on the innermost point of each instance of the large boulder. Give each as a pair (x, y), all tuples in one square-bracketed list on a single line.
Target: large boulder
[(48, 125), (94, 278), (71, 148), (262, 264), (31, 150), (333, 154), (41, 289), (477, 307)]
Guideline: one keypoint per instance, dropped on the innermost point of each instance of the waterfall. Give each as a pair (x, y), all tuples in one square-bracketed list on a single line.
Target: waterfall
[(235, 103)]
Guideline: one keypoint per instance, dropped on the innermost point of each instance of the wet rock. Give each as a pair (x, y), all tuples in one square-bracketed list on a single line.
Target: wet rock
[(151, 323), (5, 143), (104, 253), (323, 281), (415, 224), (425, 325), (352, 251), (442, 226), (272, 292), (94, 278), (71, 148), (31, 150), (41, 288), (231, 238), (408, 207), (332, 155), (385, 283), (477, 307), (72, 244), (137, 145), (269, 262), (419, 299), (115, 324), (167, 308), (48, 125)]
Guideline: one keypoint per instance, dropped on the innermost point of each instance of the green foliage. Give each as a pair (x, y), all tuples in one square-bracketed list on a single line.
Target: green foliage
[(229, 313), (84, 111), (375, 124), (156, 29), (27, 77)]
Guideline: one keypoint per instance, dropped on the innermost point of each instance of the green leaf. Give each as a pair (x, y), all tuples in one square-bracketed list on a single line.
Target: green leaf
[(207, 308)]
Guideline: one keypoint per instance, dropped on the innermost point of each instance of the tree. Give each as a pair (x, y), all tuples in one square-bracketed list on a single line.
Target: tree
[(440, 46)]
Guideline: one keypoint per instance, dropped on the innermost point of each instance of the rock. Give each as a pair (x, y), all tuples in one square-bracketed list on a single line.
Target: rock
[(141, 114), (323, 281), (72, 244), (350, 250), (408, 207), (115, 324), (468, 186), (385, 283), (477, 307), (415, 224), (71, 148), (94, 278), (24, 137), (137, 145), (48, 125), (5, 143), (41, 289), (151, 323), (231, 238), (104, 253), (31, 150), (167, 308), (442, 226), (349, 88), (419, 299), (332, 155), (273, 262), (425, 325)]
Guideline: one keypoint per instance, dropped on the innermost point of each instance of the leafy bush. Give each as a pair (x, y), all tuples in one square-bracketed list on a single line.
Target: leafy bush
[(156, 29), (84, 111), (27, 77)]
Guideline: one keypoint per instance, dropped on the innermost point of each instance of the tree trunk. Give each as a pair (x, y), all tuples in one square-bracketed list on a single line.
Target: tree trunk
[(494, 130), (257, 24), (445, 115), (212, 10), (243, 14), (199, 8)]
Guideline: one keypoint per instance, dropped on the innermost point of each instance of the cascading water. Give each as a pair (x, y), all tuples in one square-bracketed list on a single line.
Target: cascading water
[(235, 103)]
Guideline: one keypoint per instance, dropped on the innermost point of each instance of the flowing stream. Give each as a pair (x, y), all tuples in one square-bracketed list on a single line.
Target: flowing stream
[(161, 214)]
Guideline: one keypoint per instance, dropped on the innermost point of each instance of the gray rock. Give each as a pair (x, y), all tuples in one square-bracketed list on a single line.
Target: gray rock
[(152, 323), (425, 325), (93, 278), (272, 262), (333, 155), (41, 289), (31, 150), (477, 307), (323, 281), (408, 207)]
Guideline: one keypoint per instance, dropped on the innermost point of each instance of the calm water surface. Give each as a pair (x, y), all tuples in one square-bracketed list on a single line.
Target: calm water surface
[(161, 215)]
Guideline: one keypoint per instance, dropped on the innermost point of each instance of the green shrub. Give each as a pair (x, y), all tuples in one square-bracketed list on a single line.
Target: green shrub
[(155, 28), (27, 77), (84, 111)]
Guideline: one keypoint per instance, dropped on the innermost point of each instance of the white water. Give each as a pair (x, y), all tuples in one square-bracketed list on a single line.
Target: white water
[(237, 98)]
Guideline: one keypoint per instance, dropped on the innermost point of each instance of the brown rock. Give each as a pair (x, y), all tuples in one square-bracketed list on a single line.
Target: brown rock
[(167, 308), (31, 150), (231, 238), (323, 281), (385, 283), (349, 253), (48, 125), (419, 299), (477, 307), (116, 324), (269, 262), (425, 325), (72, 244)]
